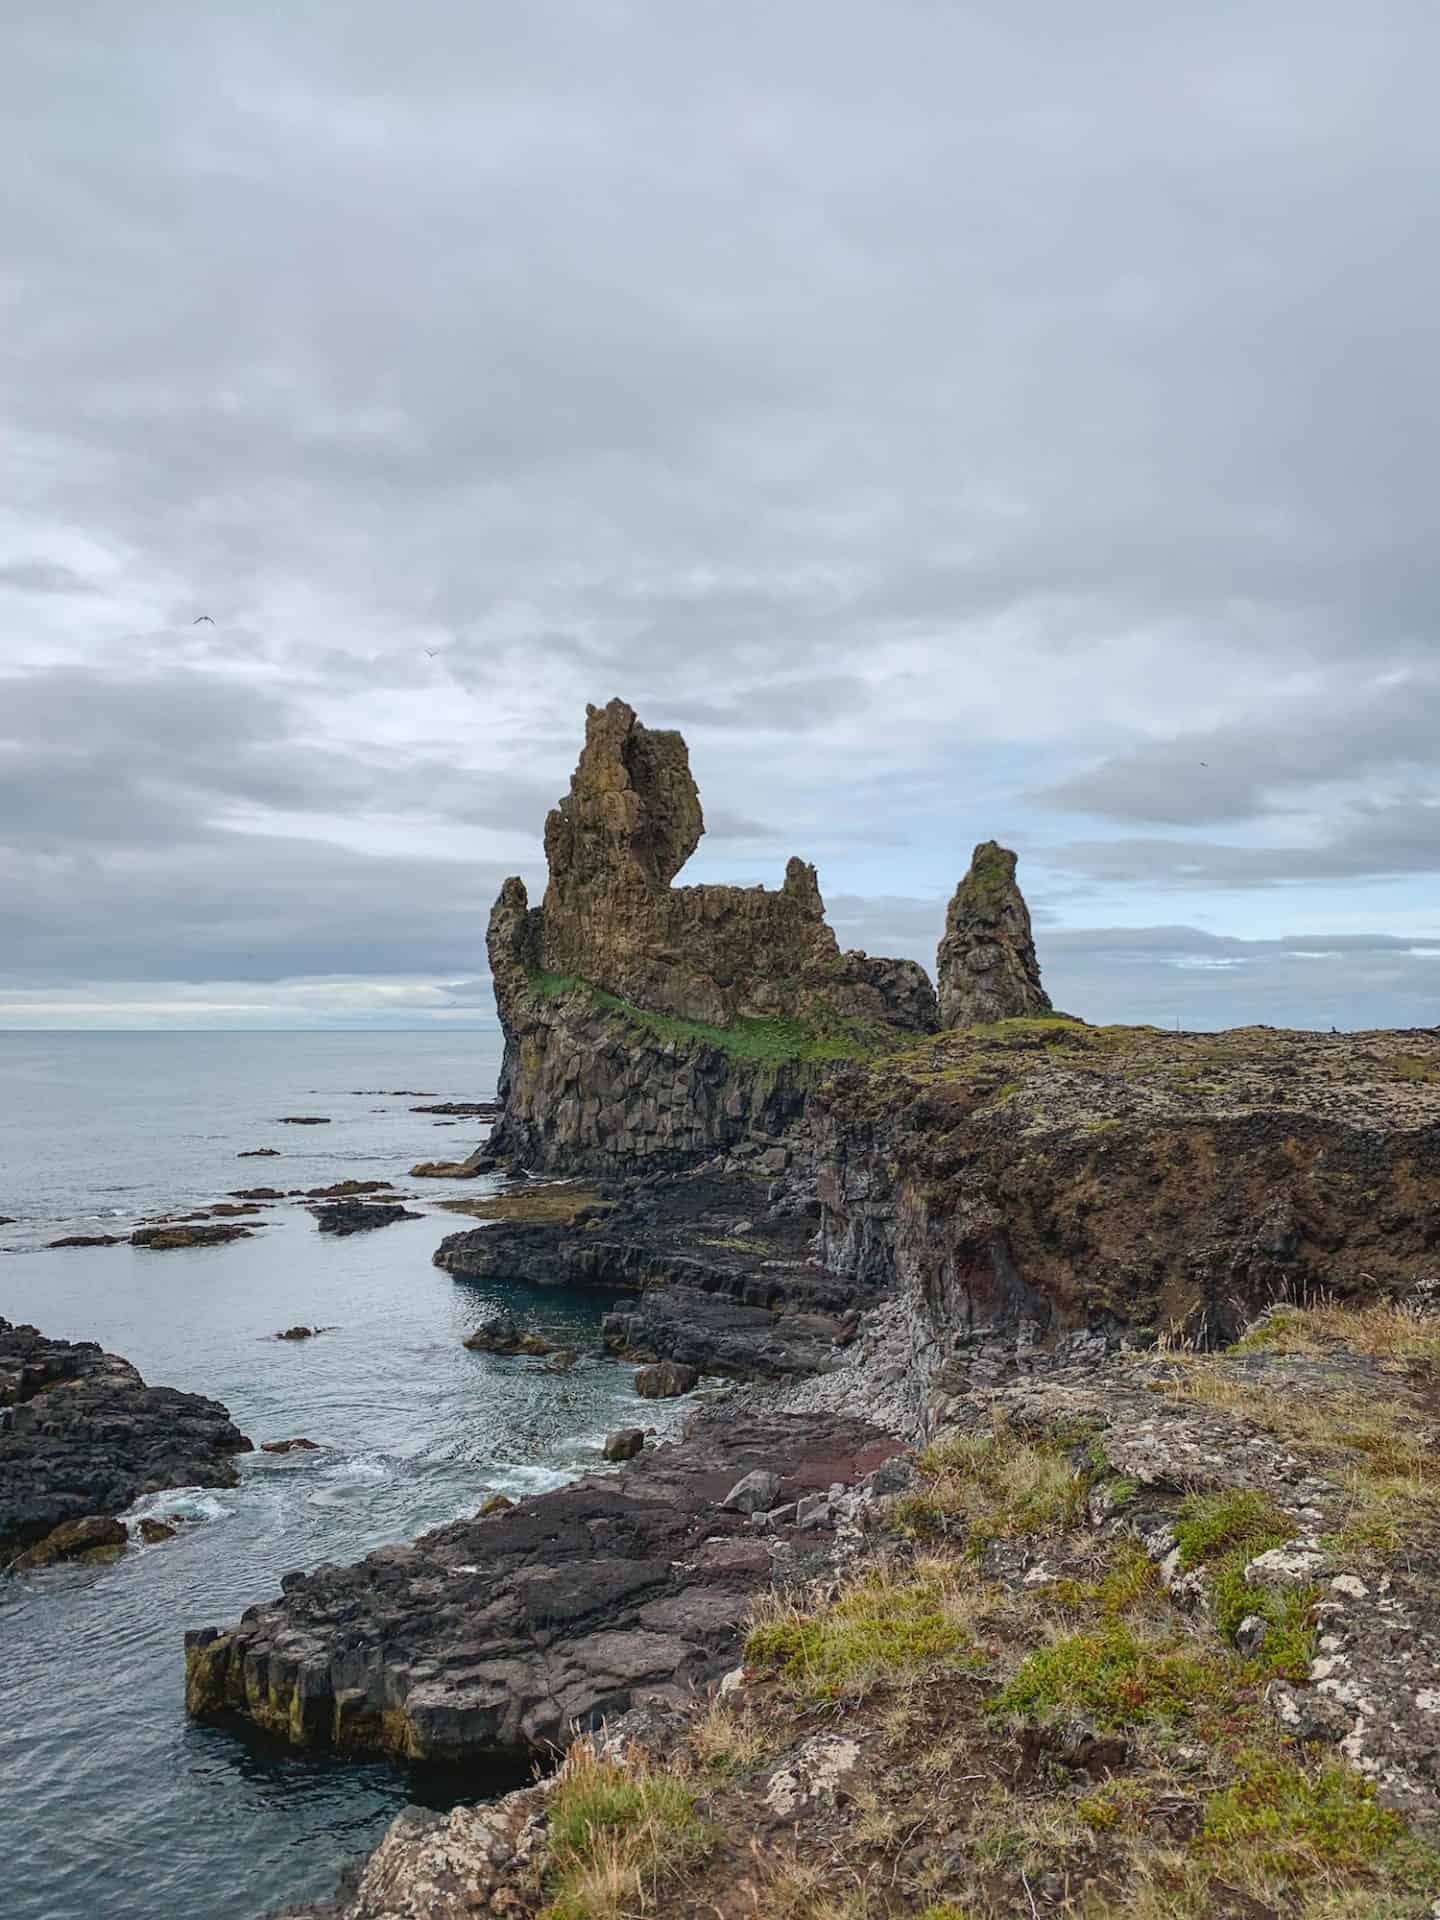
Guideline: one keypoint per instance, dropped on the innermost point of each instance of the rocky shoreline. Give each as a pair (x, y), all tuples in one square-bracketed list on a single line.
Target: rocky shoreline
[(1078, 1508), (82, 1437)]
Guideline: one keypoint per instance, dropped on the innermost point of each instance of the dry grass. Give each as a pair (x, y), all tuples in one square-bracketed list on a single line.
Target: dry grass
[(995, 1485), (619, 1832), (725, 1742), (1401, 1338), (1378, 1452)]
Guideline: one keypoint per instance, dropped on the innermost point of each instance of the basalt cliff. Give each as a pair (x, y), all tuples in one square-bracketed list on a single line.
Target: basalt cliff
[(645, 1020)]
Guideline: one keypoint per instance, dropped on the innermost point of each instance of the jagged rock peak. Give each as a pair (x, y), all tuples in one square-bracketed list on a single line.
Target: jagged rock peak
[(713, 954), (632, 816), (986, 968)]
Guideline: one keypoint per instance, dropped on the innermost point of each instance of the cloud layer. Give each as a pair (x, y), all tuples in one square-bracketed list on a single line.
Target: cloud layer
[(961, 421)]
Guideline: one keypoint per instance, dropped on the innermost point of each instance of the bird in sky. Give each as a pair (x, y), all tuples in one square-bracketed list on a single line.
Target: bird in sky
[(432, 656), (203, 620)]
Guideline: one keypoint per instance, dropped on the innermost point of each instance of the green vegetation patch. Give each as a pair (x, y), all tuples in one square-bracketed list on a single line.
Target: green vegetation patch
[(774, 1041), (1119, 1678), (996, 1485), (880, 1628), (1297, 1823), (616, 1830)]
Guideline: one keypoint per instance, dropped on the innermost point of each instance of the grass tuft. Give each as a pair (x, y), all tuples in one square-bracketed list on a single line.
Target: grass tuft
[(885, 1625), (618, 1831), (995, 1485)]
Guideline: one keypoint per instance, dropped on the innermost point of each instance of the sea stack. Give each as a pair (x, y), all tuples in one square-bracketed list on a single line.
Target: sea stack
[(986, 967)]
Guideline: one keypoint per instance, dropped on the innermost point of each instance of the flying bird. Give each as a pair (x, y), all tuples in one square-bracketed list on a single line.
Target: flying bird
[(203, 620), (432, 656)]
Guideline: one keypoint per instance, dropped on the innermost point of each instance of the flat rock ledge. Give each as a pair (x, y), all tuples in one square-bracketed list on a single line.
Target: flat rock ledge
[(493, 1637), (81, 1434)]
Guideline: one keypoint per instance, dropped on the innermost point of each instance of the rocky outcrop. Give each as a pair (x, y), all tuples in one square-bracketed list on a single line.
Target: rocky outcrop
[(644, 1020), (986, 968), (724, 1279), (1057, 1177), (360, 1216), (81, 1435), (712, 954), (497, 1636)]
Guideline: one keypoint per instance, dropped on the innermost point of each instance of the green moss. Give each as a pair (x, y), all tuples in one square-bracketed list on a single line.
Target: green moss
[(774, 1041), (1296, 1823), (875, 1630), (1211, 1525), (1118, 1679)]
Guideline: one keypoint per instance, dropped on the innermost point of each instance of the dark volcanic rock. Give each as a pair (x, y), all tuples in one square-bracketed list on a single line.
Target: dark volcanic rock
[(298, 1445), (504, 1334), (88, 1240), (754, 1304), (465, 1109), (986, 967), (82, 1435), (259, 1153), (630, 1005), (494, 1635), (348, 1189), (257, 1193), (298, 1333), (167, 1239), (360, 1216), (303, 1120)]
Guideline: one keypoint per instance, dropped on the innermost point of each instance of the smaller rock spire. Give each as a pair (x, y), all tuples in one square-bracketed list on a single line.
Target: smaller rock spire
[(986, 968)]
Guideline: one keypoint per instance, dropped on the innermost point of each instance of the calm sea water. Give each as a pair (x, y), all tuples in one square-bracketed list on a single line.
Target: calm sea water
[(112, 1805)]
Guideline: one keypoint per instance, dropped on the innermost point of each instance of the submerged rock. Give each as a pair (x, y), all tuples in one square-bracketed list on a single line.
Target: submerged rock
[(88, 1240), (298, 1445), (259, 1153), (303, 1120), (986, 968), (82, 1437), (152, 1532), (167, 1239), (360, 1216), (96, 1537)]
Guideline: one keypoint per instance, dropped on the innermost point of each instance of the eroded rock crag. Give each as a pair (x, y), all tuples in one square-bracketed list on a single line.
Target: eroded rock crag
[(987, 967), (647, 1020)]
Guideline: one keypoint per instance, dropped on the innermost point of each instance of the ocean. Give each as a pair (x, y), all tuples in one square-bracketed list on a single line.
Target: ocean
[(113, 1805)]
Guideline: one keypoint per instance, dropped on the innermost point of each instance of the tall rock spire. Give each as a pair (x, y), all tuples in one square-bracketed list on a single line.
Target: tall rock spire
[(986, 968)]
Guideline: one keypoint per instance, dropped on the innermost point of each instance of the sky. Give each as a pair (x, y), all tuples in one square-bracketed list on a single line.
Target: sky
[(961, 420)]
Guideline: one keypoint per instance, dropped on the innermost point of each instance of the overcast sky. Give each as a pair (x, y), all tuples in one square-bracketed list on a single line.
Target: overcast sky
[(961, 418)]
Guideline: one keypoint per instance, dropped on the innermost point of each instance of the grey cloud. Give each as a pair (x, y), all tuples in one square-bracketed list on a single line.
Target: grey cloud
[(928, 408), (1238, 771), (1375, 840), (43, 577)]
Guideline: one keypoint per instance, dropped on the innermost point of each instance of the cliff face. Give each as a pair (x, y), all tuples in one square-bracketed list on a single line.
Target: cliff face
[(644, 1020), (1057, 1176)]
